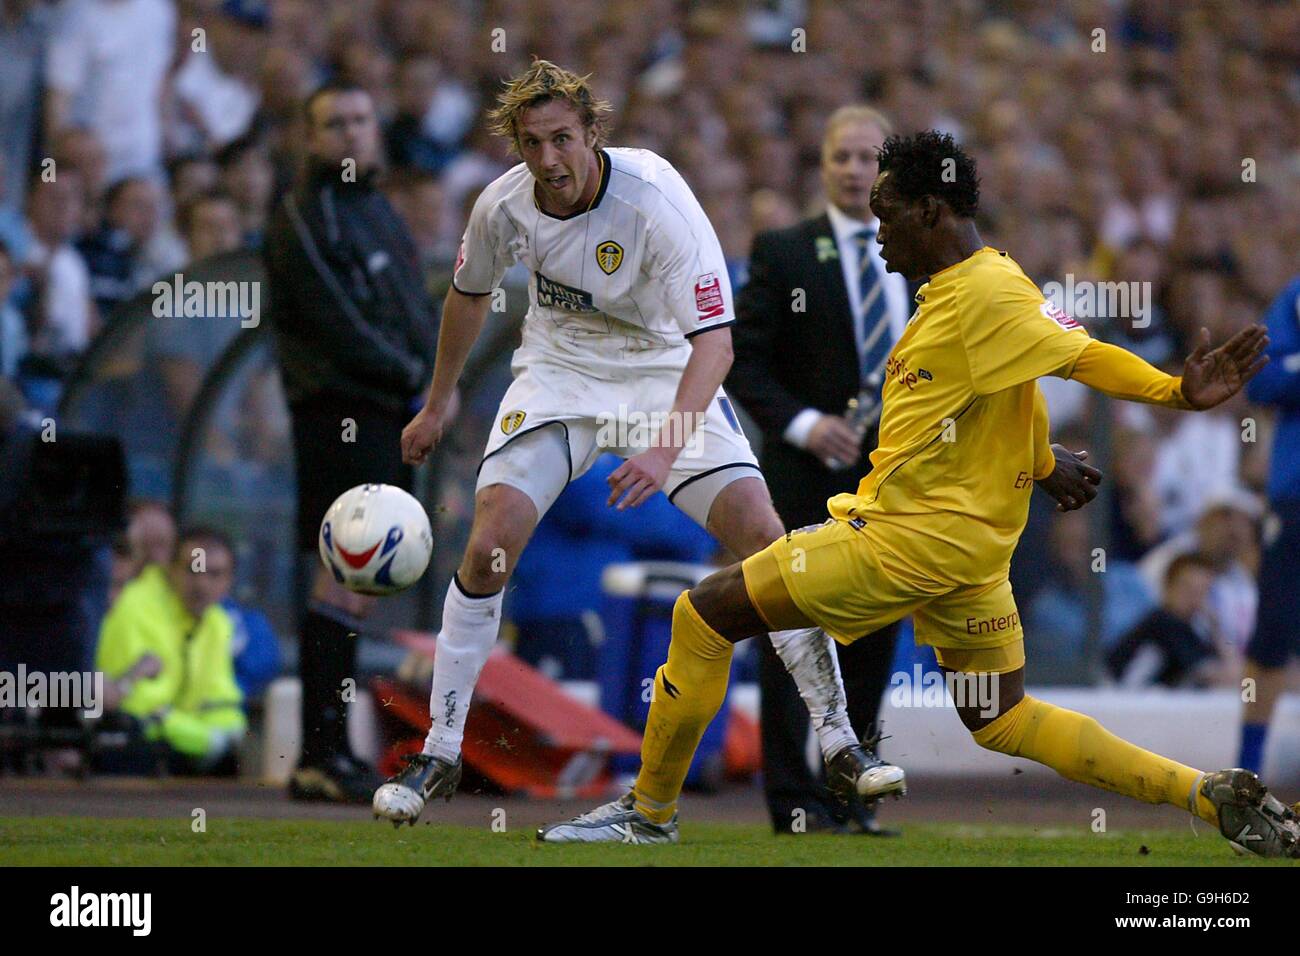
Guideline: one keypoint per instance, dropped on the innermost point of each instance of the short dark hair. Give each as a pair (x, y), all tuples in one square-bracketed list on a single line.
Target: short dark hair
[(918, 167), (207, 536), (326, 89)]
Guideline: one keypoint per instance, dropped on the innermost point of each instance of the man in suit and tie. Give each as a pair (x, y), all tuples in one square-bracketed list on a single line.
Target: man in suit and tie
[(815, 325)]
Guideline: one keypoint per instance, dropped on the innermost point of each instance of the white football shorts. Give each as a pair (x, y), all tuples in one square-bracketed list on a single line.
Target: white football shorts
[(555, 421)]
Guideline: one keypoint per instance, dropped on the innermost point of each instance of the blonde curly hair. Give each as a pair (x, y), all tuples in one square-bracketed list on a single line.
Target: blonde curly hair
[(542, 82)]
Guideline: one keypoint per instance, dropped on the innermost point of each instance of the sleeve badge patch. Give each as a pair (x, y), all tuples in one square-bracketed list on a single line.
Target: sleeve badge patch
[(708, 297), (1058, 316)]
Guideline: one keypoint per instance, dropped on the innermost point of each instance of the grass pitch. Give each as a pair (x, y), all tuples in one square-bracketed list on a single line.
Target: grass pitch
[(80, 841)]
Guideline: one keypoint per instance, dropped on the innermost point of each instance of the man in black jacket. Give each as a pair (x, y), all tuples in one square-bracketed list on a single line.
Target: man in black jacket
[(355, 332), (816, 323)]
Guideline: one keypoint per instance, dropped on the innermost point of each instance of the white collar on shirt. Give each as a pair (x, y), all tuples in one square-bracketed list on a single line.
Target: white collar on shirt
[(846, 228)]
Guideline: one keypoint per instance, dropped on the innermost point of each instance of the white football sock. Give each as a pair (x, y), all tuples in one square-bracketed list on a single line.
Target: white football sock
[(469, 629), (809, 655)]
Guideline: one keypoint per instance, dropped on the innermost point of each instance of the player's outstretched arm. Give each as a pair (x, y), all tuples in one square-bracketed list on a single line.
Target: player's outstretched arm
[(1210, 376), (462, 320)]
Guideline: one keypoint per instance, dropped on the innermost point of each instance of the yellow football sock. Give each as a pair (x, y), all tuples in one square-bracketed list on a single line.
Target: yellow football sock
[(688, 691), (1079, 748)]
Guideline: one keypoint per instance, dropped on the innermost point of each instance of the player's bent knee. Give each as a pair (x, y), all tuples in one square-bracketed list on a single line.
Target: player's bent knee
[(487, 564), (723, 603)]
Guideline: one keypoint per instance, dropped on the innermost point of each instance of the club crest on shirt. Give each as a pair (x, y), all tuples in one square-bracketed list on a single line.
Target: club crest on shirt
[(512, 421), (609, 256)]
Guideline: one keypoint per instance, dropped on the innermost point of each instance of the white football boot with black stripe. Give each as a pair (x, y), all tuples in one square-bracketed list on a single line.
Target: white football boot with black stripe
[(1252, 819), (857, 774), (617, 822)]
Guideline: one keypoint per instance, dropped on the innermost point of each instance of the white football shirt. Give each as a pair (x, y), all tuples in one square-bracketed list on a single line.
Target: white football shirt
[(635, 275)]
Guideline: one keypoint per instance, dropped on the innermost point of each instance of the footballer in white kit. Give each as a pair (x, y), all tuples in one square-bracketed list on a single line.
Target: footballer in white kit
[(625, 345), (615, 293)]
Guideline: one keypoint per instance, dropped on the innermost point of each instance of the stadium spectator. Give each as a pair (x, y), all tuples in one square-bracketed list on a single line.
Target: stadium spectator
[(166, 645), (812, 448), (211, 103), (355, 329), (1171, 645), (150, 539), (189, 176), (1057, 615), (417, 197), (247, 177), (1276, 639), (1208, 446), (24, 38), (1135, 525), (1227, 535), (150, 533), (116, 254), (80, 150), (64, 315), (410, 136), (209, 224), (106, 67)]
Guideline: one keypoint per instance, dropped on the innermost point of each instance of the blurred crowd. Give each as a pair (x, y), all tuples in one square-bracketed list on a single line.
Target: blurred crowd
[(1154, 142)]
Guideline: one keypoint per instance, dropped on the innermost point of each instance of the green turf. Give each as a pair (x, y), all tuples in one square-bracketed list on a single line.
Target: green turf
[(55, 841)]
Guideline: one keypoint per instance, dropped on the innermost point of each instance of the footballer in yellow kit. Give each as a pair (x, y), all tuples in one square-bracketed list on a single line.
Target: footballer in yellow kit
[(931, 529)]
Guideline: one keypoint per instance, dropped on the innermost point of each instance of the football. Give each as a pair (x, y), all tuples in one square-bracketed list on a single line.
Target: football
[(375, 539)]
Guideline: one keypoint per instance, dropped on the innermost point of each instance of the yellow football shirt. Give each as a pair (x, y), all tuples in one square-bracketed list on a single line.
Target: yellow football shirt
[(948, 491)]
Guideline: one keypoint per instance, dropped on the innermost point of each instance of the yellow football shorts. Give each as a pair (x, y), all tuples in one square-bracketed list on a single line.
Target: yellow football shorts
[(838, 576)]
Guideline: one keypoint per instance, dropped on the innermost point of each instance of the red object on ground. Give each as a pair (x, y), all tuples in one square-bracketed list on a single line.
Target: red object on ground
[(524, 733), (742, 748)]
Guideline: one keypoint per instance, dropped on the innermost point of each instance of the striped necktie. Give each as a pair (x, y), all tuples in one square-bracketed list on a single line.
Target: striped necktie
[(876, 339)]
